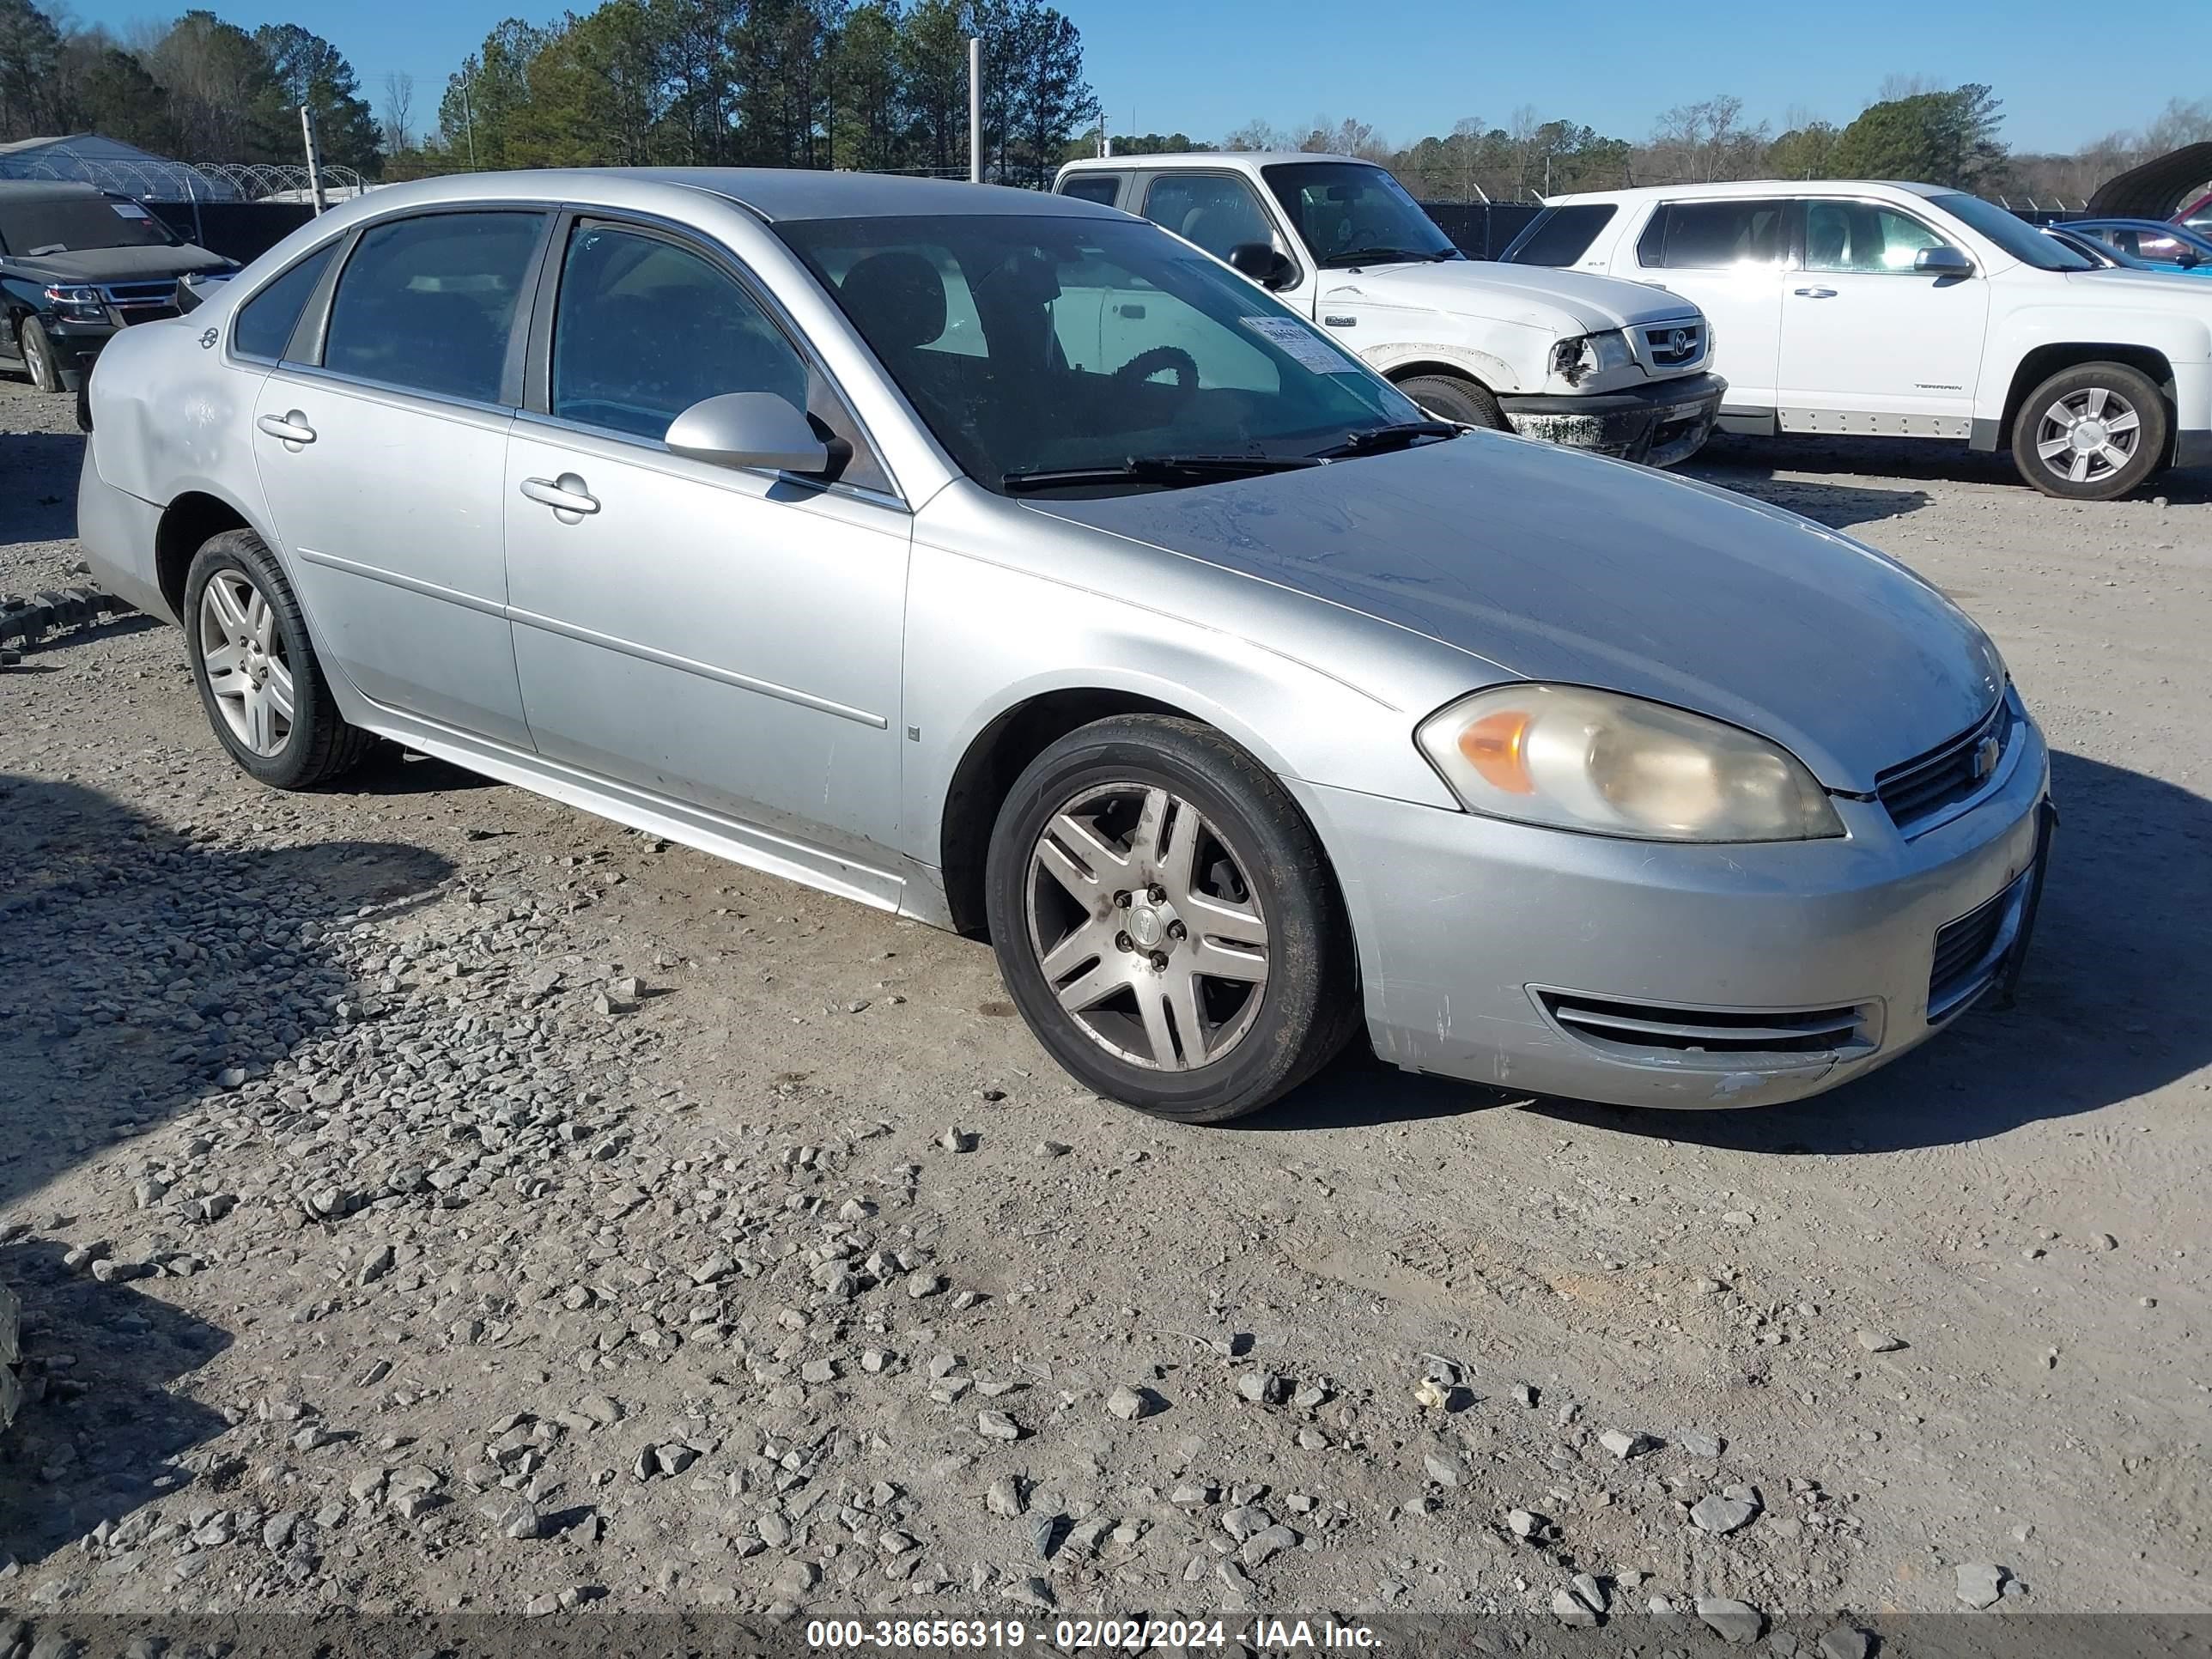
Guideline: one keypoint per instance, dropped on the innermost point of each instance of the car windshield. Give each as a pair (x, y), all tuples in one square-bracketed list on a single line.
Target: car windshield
[(2011, 233), (72, 224), (1350, 214), (1093, 355)]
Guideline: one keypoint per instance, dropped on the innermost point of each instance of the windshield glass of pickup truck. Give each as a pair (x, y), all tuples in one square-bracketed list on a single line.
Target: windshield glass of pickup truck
[(1041, 349), (2011, 233), (1348, 214), (72, 224)]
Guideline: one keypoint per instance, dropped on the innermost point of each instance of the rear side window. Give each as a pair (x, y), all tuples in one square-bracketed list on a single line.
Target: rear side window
[(265, 322), (1104, 188), (426, 304), (1560, 235), (1714, 235)]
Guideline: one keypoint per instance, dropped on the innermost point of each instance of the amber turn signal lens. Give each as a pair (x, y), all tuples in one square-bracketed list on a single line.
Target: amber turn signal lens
[(1496, 746)]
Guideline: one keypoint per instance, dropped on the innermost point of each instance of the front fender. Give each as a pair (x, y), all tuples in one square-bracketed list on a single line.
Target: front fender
[(2184, 341), (1392, 358)]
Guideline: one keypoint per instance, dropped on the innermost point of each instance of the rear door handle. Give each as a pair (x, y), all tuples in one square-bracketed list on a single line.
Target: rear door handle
[(565, 495), (1815, 292), (291, 426)]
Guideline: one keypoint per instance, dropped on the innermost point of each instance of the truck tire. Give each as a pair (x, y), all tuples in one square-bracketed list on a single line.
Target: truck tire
[(38, 355), (2092, 432), (1451, 398)]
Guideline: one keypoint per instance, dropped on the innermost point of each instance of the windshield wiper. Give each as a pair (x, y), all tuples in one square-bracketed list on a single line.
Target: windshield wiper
[(1375, 439), (1387, 256), (51, 247), (1156, 469)]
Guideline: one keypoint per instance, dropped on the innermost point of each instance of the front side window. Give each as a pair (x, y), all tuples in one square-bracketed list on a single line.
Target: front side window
[(266, 321), (1032, 346), (1104, 188), (1350, 214), (1214, 211), (1860, 237), (1714, 235), (426, 304)]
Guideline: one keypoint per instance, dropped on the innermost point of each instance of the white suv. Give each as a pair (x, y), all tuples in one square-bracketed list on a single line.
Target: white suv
[(1908, 310), (1581, 361)]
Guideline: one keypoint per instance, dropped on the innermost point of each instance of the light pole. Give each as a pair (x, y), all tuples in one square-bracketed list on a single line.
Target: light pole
[(976, 109)]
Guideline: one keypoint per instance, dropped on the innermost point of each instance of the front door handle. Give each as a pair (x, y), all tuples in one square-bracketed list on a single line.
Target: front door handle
[(565, 495), (292, 427), (1815, 292)]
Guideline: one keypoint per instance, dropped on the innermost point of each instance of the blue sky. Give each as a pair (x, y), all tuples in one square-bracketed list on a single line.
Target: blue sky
[(1411, 67)]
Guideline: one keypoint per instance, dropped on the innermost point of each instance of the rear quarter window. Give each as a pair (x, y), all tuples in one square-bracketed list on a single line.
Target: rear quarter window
[(265, 322), (1560, 235), (1104, 188)]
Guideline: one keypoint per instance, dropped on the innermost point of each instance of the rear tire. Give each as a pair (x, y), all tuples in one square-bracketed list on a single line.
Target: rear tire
[(1166, 921), (38, 355), (264, 690), (2092, 432), (1451, 398)]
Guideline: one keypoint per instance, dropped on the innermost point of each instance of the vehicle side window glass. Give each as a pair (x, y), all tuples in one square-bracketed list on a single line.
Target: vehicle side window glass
[(265, 322), (1560, 235), (644, 328), (1215, 212), (426, 303), (1858, 236), (1714, 235), (1104, 188)]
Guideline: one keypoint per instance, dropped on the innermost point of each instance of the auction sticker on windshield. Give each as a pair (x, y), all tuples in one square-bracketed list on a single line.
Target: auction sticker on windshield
[(1306, 348)]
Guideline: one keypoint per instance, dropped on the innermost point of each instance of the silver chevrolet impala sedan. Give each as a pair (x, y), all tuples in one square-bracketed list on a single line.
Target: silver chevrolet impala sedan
[(1004, 562)]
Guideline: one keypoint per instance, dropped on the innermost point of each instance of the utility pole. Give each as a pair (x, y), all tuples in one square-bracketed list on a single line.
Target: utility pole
[(976, 109), (314, 157), (469, 121)]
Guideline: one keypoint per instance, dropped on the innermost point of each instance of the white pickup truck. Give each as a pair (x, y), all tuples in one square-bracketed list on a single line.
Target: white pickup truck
[(1620, 367), (1909, 310)]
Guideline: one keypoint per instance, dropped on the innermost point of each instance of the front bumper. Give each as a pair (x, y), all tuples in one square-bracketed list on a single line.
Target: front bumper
[(1659, 424), (75, 344), (1649, 973)]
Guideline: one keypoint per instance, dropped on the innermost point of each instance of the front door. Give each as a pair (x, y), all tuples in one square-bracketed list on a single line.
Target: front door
[(382, 467), (1864, 332), (727, 640)]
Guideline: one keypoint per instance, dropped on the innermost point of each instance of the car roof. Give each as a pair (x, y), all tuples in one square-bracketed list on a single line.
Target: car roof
[(1214, 158), (1740, 187)]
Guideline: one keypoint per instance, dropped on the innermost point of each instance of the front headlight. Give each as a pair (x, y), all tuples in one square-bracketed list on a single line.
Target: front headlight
[(1572, 758), (77, 302), (1581, 355)]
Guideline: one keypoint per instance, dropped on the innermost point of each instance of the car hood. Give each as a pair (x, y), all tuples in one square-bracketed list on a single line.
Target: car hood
[(1564, 301), (121, 264), (1555, 566), (2155, 287)]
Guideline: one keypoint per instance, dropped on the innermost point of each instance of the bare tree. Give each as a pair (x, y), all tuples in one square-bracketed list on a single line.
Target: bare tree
[(399, 112), (1895, 85)]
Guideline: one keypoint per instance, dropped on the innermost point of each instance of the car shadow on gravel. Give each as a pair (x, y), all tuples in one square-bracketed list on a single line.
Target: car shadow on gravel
[(2111, 1005), (100, 1432), (139, 967), (37, 509), (1754, 466)]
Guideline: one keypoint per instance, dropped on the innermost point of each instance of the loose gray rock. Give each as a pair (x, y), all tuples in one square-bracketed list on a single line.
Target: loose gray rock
[(1624, 1445), (1128, 1404), (1981, 1584), (1698, 1443), (1569, 1609), (1005, 1496), (997, 1425), (1264, 1388), (1265, 1545), (1843, 1642), (1717, 1513), (1733, 1621), (1881, 1342), (1444, 1472)]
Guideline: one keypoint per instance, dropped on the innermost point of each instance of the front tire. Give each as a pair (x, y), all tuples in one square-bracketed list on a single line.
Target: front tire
[(1451, 398), (265, 693), (38, 351), (1166, 921), (2092, 432)]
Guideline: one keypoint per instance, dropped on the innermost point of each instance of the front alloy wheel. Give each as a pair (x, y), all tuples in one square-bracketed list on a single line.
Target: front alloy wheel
[(2092, 432), (1145, 926), (1165, 919)]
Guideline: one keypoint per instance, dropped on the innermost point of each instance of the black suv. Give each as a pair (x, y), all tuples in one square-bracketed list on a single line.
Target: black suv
[(75, 264)]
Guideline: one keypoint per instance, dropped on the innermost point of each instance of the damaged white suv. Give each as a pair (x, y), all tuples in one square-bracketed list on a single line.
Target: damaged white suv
[(1590, 362)]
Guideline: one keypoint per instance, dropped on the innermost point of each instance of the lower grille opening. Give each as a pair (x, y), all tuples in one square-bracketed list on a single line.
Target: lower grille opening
[(1657, 1029), (1963, 949)]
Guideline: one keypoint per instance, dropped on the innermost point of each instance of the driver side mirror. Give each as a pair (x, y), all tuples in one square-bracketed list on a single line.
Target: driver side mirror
[(1264, 264), (752, 430), (1942, 262)]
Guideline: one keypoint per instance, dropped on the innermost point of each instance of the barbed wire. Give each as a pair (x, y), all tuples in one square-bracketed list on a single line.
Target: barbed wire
[(153, 179)]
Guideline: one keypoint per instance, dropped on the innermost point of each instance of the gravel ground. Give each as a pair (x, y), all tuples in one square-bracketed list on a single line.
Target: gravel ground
[(426, 1198)]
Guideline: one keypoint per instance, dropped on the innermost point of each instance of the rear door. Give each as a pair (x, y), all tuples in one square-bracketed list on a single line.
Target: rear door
[(381, 445), (1729, 256), (1865, 334)]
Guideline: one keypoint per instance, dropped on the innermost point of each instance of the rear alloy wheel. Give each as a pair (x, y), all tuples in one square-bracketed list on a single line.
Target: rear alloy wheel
[(1449, 399), (2091, 432), (1166, 922), (264, 691), (38, 355)]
